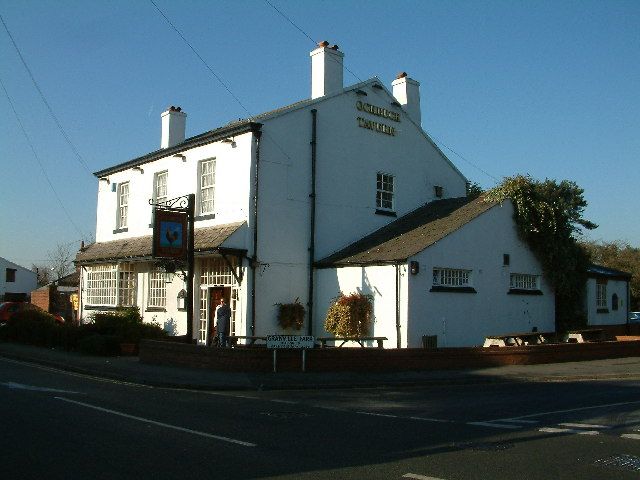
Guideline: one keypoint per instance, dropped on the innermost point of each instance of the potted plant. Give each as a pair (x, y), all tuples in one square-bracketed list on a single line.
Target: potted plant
[(350, 315)]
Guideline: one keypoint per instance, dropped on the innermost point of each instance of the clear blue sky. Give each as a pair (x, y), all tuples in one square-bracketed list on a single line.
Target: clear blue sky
[(550, 89)]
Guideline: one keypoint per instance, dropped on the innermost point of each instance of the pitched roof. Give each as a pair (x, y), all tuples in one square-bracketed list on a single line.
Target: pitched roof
[(139, 248), (594, 270), (409, 234)]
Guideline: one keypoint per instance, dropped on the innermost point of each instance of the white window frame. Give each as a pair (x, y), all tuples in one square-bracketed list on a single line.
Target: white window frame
[(601, 295), (452, 277), (160, 186), (524, 281), (385, 188), (157, 294), (206, 186), (123, 205), (111, 285)]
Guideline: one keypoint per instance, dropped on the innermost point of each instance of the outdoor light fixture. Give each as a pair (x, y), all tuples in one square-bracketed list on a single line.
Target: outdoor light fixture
[(105, 179), (414, 267), (361, 92), (183, 157), (138, 169), (182, 295), (230, 141)]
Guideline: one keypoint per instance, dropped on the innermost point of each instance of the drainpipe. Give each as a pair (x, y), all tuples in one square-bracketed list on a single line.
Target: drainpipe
[(398, 340), (312, 197), (254, 258)]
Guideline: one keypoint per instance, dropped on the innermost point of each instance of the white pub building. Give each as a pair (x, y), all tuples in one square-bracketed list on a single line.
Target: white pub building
[(342, 192)]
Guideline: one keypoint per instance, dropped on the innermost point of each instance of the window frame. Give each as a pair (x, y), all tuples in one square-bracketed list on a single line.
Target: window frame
[(201, 187), (156, 290), (10, 275), (111, 285), (385, 196), (447, 279), (122, 219), (524, 283), (602, 305), (156, 185)]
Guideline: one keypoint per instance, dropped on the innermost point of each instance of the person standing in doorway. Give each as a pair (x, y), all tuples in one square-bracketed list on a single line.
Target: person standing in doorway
[(223, 320)]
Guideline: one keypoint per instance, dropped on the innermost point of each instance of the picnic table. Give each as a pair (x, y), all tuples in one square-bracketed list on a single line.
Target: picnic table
[(519, 339), (586, 335), (360, 340), (250, 340)]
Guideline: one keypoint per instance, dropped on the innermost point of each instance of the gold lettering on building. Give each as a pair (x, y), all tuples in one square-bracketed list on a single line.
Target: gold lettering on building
[(377, 111)]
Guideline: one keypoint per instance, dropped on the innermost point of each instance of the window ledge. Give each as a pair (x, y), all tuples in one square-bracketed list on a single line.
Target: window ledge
[(121, 230), (386, 213), (523, 291), (155, 309), (437, 288), (107, 308), (211, 216), (603, 310)]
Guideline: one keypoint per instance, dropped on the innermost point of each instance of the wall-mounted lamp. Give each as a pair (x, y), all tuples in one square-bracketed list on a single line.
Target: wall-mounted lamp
[(414, 267), (182, 296), (396, 104), (105, 179), (230, 141), (378, 86), (183, 157), (361, 92), (138, 169)]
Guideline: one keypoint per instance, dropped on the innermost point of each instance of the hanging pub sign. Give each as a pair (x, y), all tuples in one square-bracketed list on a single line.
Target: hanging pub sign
[(169, 234)]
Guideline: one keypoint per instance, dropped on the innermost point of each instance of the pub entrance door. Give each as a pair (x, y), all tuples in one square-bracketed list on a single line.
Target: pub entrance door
[(215, 294)]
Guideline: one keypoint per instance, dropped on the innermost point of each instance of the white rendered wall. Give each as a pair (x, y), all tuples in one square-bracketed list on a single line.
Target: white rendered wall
[(612, 317), (26, 280), (464, 319), (377, 281)]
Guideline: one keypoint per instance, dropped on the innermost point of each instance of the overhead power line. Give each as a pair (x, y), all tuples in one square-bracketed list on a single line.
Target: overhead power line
[(38, 159), (44, 99)]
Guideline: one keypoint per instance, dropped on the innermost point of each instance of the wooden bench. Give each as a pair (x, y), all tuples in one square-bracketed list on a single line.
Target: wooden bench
[(323, 340), (250, 340), (519, 339)]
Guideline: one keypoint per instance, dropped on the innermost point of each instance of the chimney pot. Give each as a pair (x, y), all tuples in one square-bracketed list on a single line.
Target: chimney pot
[(323, 43), (401, 75), (334, 47)]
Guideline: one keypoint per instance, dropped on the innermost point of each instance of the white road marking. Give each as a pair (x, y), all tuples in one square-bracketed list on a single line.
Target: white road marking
[(377, 414), (569, 410), (159, 424), (431, 419), (527, 422), (633, 436), (495, 425), (419, 477), (568, 430), (582, 425), (20, 386)]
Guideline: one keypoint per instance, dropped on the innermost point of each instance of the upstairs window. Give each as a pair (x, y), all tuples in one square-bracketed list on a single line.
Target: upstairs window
[(160, 187), (207, 180), (524, 281), (123, 205), (10, 275), (384, 192)]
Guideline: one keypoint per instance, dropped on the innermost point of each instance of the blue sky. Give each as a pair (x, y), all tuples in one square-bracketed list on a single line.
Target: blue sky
[(549, 89)]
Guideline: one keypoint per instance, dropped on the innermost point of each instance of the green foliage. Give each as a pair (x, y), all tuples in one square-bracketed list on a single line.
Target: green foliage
[(350, 315), (474, 190), (548, 216), (291, 315), (621, 256), (97, 338)]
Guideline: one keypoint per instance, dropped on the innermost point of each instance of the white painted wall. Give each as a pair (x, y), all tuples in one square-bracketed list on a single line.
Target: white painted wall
[(464, 319), (612, 317), (26, 280)]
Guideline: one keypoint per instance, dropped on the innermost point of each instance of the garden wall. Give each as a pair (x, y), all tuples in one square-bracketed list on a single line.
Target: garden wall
[(260, 359)]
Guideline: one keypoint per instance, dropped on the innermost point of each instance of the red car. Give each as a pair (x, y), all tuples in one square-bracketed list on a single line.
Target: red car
[(9, 309)]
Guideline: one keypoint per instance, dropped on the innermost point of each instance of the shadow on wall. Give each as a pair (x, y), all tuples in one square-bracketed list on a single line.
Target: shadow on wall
[(171, 327)]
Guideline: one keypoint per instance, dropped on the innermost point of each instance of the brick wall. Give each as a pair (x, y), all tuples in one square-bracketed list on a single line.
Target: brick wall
[(42, 298), (259, 359)]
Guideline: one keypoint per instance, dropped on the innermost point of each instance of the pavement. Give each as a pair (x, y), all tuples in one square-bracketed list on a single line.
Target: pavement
[(130, 369)]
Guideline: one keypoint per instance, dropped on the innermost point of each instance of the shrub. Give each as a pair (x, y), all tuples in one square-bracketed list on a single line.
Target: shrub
[(350, 315), (102, 345), (291, 315)]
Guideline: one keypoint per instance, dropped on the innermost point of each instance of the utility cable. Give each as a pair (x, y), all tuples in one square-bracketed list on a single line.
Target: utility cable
[(44, 99), (38, 159)]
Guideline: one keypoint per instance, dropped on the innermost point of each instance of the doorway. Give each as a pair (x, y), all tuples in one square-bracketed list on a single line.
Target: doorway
[(215, 294)]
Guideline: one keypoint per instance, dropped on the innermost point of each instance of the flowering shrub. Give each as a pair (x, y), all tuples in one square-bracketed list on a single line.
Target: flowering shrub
[(350, 315), (291, 315)]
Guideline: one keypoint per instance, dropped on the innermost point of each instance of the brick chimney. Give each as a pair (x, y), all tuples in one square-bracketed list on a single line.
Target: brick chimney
[(326, 70), (407, 93), (173, 127)]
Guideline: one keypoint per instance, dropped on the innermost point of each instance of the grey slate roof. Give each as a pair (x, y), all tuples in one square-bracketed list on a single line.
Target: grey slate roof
[(410, 234), (601, 271), (139, 248)]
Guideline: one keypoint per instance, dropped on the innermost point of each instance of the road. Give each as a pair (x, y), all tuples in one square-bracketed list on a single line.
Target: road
[(58, 425)]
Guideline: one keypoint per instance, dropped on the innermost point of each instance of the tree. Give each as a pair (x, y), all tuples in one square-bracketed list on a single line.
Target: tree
[(474, 190), (61, 260), (621, 256), (43, 274), (549, 217)]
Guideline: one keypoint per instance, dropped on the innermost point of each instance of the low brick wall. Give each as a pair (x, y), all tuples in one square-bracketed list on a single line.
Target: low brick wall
[(259, 359)]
